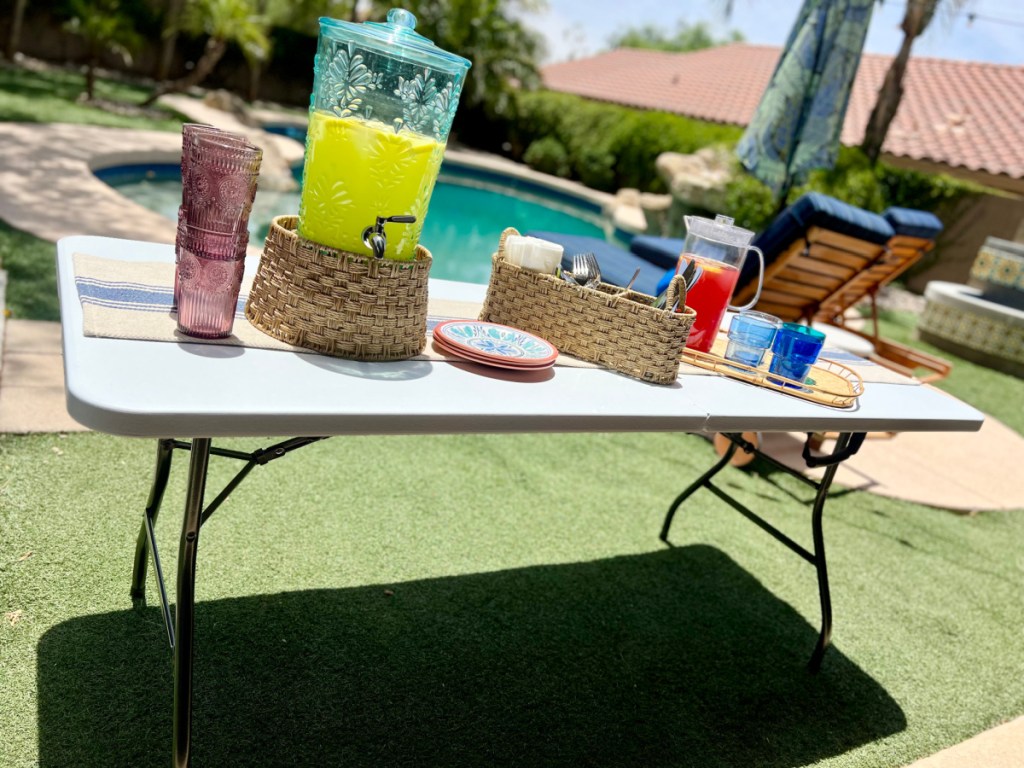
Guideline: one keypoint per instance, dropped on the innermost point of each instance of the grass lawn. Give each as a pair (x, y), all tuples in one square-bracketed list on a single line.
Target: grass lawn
[(31, 275), (358, 607), (52, 97)]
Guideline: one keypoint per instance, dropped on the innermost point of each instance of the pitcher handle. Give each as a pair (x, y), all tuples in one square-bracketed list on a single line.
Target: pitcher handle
[(760, 281)]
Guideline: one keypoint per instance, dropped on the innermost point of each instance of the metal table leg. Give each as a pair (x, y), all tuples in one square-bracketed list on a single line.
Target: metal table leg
[(846, 445), (825, 635), (184, 609), (703, 480), (146, 542), (180, 628)]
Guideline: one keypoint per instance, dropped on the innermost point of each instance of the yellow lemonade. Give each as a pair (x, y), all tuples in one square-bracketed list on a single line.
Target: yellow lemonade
[(357, 170)]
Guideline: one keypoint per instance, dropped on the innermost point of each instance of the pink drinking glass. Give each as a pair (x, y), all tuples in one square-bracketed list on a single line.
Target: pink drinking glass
[(219, 179), (190, 133), (205, 244), (208, 294), (219, 172)]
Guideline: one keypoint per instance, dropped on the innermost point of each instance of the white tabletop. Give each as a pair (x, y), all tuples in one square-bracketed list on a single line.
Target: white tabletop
[(163, 389)]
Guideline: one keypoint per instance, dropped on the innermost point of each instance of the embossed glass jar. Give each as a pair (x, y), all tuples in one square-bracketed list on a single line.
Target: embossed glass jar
[(383, 101)]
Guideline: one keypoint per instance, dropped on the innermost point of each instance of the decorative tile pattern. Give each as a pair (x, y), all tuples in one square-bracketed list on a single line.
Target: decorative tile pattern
[(998, 268), (1000, 338)]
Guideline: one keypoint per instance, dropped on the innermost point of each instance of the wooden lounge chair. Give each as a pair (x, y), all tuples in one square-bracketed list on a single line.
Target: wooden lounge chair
[(914, 236), (812, 249), (822, 256)]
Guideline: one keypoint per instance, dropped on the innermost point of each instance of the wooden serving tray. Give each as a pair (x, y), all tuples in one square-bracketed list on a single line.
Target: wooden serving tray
[(828, 382)]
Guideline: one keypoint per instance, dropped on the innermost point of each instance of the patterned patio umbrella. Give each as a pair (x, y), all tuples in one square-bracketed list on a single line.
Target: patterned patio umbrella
[(797, 123)]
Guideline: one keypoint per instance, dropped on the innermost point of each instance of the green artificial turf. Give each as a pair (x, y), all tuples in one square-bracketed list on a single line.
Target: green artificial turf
[(997, 394), (53, 96), (30, 264), (468, 600)]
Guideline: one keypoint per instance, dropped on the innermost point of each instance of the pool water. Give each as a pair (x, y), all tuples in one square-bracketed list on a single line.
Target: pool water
[(468, 212)]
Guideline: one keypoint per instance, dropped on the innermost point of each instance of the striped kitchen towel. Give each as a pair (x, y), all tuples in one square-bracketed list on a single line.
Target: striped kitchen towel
[(132, 300)]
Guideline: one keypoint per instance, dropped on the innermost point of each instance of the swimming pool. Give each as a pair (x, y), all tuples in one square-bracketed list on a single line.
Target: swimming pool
[(468, 211)]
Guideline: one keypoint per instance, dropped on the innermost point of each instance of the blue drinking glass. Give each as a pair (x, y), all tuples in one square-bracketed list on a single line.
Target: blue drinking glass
[(751, 335), (795, 350)]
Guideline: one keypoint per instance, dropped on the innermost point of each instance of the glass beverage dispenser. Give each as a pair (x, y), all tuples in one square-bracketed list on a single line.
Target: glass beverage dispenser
[(383, 101)]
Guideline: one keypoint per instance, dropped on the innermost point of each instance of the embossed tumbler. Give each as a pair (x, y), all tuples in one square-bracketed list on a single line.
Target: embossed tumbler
[(208, 294), (219, 172), (794, 351), (750, 335)]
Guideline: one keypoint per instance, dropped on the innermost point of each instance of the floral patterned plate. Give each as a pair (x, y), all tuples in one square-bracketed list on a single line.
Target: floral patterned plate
[(464, 356), (498, 343)]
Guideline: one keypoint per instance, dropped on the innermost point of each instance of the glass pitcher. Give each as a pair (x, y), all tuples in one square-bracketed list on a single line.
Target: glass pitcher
[(383, 101), (719, 249)]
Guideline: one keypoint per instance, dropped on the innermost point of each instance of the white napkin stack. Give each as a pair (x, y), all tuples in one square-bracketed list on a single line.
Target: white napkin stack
[(533, 253)]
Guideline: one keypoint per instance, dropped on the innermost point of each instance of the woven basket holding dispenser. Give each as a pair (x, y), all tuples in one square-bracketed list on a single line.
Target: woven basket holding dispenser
[(339, 303), (604, 325)]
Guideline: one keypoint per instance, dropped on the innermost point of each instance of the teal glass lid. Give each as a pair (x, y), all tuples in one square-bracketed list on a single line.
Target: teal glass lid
[(395, 37)]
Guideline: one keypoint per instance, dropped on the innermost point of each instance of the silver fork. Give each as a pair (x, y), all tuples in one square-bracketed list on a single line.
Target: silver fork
[(585, 270), (595, 269)]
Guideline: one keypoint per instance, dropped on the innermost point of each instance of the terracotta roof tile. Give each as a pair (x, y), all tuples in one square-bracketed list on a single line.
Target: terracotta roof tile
[(959, 113)]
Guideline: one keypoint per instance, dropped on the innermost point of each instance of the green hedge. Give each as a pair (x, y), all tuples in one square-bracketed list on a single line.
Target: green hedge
[(854, 181), (607, 147), (604, 146)]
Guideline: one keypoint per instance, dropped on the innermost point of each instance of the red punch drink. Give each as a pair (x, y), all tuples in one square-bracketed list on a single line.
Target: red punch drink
[(710, 298), (718, 248)]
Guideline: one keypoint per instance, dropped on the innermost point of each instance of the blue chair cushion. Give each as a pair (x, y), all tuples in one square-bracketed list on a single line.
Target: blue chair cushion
[(907, 221), (815, 210), (660, 251), (617, 265), (812, 209)]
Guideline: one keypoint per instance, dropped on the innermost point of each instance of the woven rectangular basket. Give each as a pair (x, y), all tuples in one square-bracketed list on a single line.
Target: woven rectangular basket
[(602, 325), (339, 303)]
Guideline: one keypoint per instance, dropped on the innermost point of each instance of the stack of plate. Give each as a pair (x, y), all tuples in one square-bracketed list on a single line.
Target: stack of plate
[(493, 344)]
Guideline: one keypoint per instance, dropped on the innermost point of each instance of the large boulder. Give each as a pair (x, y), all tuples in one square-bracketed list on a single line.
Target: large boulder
[(639, 212), (697, 181)]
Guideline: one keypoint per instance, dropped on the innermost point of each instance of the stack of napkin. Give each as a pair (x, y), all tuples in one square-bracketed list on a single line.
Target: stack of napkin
[(533, 253)]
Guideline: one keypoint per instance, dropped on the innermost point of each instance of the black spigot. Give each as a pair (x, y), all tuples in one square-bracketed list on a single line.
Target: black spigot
[(374, 238)]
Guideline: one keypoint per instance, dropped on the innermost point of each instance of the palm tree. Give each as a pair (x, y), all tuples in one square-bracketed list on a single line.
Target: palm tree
[(223, 22), (105, 27), (14, 38), (172, 17), (916, 19)]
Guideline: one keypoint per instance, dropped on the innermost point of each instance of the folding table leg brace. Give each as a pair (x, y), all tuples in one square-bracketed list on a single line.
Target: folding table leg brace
[(846, 445), (180, 630)]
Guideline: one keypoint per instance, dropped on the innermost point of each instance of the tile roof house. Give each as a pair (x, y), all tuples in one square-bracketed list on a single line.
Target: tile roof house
[(965, 118)]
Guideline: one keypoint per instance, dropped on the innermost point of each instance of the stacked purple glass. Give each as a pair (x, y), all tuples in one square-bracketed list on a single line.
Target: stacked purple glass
[(219, 171)]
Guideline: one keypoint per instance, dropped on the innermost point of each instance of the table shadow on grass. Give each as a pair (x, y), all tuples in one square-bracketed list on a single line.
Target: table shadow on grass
[(676, 657)]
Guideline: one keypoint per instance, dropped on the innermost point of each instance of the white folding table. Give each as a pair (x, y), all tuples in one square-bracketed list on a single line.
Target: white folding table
[(201, 391)]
